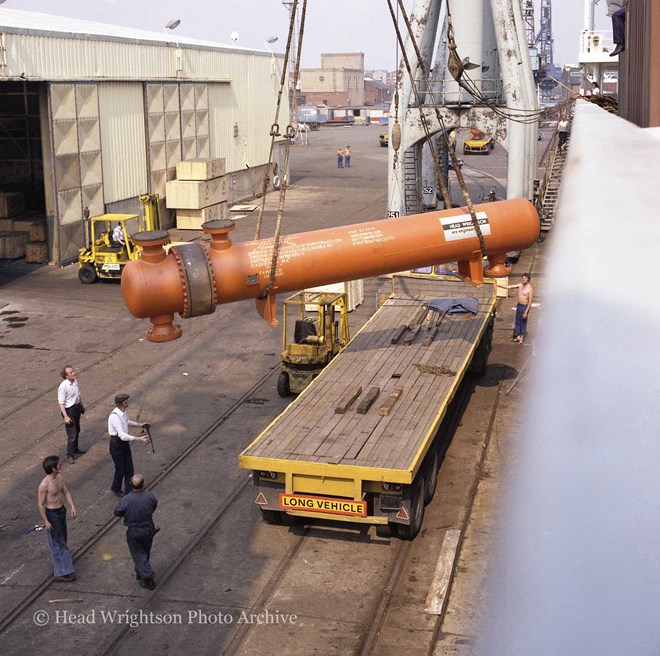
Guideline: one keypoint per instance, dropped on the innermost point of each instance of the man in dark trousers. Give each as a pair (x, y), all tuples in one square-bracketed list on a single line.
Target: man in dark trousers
[(71, 407), (120, 444), (137, 509)]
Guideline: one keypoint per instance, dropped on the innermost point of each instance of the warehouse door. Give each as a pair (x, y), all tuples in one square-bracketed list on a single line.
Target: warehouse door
[(22, 198)]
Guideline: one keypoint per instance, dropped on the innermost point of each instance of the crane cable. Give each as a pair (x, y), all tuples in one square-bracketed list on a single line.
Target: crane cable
[(275, 127), (290, 135)]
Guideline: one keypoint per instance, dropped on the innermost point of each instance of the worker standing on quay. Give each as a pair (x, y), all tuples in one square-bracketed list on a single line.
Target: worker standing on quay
[(137, 509), (120, 444), (71, 407), (525, 298), (340, 158), (562, 129), (347, 157), (52, 490)]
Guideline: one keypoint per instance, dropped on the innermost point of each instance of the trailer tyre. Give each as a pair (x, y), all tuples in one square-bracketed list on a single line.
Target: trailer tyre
[(431, 467), (283, 386), (87, 274), (410, 531), (384, 530), (480, 360), (271, 516)]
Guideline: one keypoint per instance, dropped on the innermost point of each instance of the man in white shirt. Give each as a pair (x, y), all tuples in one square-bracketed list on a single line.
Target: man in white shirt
[(118, 235), (71, 407), (120, 444)]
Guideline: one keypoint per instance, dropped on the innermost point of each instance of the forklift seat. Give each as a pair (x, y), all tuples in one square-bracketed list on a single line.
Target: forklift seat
[(303, 329)]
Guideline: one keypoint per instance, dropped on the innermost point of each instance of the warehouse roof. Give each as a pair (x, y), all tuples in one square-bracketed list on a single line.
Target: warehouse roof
[(35, 23)]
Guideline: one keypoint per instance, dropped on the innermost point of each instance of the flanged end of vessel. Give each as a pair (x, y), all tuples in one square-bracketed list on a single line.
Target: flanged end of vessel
[(163, 329), (152, 242), (219, 231)]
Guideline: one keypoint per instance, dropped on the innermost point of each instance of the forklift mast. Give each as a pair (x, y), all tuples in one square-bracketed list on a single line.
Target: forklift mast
[(151, 203)]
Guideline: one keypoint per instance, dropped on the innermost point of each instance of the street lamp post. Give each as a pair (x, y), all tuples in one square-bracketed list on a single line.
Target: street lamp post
[(171, 26), (268, 42)]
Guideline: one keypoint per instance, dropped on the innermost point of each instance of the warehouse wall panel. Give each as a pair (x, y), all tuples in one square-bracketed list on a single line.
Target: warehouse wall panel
[(123, 138)]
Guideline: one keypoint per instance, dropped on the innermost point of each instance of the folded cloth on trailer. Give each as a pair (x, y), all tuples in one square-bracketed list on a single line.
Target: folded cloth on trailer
[(466, 305)]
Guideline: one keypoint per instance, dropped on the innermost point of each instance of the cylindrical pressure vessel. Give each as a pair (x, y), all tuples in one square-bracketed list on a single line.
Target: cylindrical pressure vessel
[(193, 278)]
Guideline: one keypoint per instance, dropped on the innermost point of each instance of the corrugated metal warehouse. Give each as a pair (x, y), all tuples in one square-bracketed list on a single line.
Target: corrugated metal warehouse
[(92, 116)]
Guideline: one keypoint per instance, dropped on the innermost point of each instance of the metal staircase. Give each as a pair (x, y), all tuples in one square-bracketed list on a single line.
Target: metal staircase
[(549, 188), (411, 185)]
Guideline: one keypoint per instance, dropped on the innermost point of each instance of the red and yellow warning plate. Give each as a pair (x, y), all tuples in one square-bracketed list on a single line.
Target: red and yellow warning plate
[(330, 505)]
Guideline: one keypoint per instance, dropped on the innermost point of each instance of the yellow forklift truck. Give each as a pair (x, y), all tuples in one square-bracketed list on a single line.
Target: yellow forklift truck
[(105, 256), (320, 332)]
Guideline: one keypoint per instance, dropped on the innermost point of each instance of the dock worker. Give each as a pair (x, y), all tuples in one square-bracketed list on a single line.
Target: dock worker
[(525, 299), (71, 407), (137, 509), (50, 500), (118, 235), (120, 444)]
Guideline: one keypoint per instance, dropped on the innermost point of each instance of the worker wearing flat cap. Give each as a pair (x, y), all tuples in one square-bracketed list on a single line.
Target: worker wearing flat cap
[(120, 444)]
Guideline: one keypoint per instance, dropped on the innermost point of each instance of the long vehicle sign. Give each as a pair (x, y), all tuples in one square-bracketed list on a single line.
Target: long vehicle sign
[(329, 505)]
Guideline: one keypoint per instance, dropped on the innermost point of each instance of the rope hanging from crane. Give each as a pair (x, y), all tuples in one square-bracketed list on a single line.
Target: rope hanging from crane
[(290, 135)]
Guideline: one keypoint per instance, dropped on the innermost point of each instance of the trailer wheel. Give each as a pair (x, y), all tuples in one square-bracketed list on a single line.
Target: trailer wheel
[(283, 386), (290, 520), (431, 467), (410, 531), (384, 530), (480, 360), (87, 274), (271, 516)]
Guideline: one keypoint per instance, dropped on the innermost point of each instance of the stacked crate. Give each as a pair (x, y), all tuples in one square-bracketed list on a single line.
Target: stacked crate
[(12, 241), (36, 250), (199, 194)]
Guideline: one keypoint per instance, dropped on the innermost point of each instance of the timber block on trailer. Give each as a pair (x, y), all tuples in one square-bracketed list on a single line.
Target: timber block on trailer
[(345, 402), (394, 396), (368, 400)]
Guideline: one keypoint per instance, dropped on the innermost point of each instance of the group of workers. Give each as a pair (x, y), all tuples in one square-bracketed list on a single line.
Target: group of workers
[(343, 157), (136, 505)]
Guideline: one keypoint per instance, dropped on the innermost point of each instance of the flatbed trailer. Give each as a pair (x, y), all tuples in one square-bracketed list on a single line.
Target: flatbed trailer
[(361, 443)]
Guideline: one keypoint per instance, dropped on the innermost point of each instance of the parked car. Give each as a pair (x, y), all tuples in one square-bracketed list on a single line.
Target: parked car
[(482, 145), (459, 160)]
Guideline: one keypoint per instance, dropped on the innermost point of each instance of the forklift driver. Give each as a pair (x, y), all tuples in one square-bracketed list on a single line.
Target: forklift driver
[(118, 236)]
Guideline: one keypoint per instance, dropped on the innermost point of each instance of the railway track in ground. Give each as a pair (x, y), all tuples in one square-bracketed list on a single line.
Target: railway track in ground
[(92, 540), (279, 590)]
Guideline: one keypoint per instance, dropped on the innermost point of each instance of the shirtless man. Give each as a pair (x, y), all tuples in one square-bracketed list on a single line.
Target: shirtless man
[(525, 298), (53, 513)]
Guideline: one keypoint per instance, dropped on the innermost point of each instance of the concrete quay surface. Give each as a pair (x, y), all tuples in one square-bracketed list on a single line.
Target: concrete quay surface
[(235, 582)]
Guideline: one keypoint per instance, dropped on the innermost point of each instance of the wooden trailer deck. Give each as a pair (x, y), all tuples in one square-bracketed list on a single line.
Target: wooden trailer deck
[(416, 370)]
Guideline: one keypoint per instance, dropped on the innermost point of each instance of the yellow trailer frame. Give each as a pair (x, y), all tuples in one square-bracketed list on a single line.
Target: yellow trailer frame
[(321, 483)]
